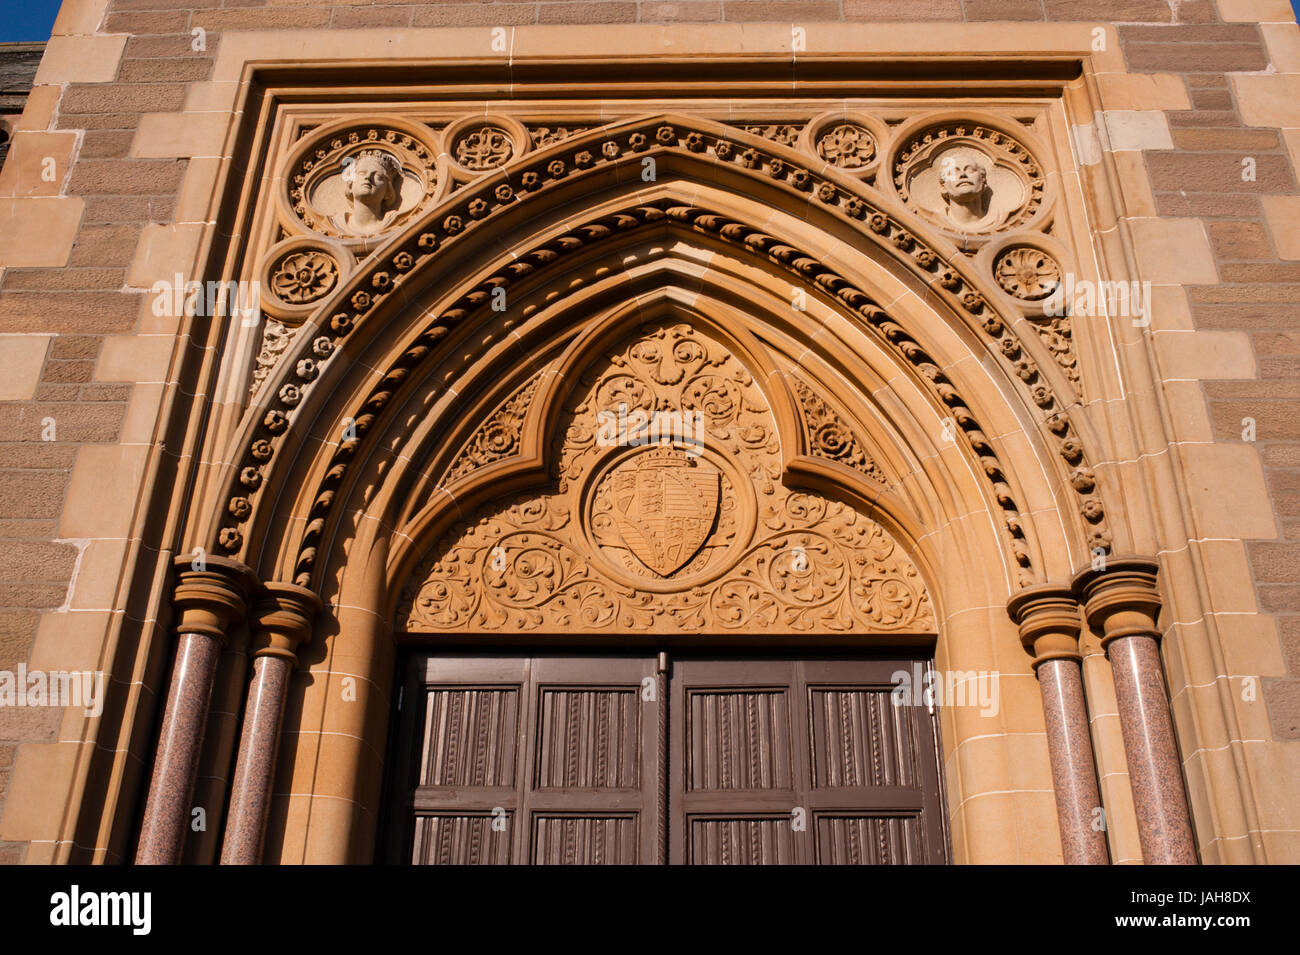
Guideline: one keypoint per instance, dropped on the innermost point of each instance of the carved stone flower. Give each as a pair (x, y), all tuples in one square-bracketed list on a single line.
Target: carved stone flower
[(530, 180), (251, 478), (776, 168), (609, 149), (323, 347), (307, 369), (584, 159), (303, 277), (1027, 273), (637, 141), (666, 135), (695, 142), (290, 394), (428, 241), (1093, 510), (478, 208), (230, 539), (403, 261), (826, 192), (848, 146), (723, 150), (556, 168), (855, 207), (239, 508), (751, 158), (341, 323), (260, 450), (275, 421), (878, 223), (453, 224), (381, 281)]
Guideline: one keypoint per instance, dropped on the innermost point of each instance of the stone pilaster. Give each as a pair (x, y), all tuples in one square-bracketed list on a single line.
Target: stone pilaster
[(1122, 601), (282, 622), (208, 602), (1049, 621)]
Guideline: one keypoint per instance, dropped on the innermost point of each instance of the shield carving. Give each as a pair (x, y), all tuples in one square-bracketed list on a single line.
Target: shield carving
[(665, 502)]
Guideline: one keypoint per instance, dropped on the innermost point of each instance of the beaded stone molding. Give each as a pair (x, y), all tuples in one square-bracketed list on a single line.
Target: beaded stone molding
[(837, 194)]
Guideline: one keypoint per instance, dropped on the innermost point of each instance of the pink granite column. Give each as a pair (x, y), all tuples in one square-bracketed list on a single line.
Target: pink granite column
[(208, 603), (282, 618), (1049, 622), (1123, 602)]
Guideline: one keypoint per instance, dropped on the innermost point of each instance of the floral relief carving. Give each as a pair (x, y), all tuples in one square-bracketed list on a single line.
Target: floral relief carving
[(303, 277), (543, 136), (784, 133), (276, 338), (1056, 334), (483, 148), (668, 536), (829, 437), (1027, 273), (847, 145), (499, 436)]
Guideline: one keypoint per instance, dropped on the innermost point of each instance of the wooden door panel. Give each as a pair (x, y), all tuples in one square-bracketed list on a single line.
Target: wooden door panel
[(552, 759)]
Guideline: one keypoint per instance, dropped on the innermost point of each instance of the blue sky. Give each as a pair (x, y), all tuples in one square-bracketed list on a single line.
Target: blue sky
[(32, 19), (27, 19)]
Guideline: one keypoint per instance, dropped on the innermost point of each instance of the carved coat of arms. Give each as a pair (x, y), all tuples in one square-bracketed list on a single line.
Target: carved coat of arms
[(665, 503)]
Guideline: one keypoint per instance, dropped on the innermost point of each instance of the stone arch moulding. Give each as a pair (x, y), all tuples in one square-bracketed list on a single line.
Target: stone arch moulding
[(605, 162)]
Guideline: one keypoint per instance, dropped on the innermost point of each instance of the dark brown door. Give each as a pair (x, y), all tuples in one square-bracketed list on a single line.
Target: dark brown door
[(800, 761), (557, 759), (531, 760)]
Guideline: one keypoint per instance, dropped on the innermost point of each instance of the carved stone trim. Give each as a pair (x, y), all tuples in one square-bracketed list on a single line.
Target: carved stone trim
[(497, 438), (829, 437), (479, 201), (549, 135), (667, 536)]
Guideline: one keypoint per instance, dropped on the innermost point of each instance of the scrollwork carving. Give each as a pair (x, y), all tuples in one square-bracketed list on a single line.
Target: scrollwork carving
[(829, 437), (668, 536)]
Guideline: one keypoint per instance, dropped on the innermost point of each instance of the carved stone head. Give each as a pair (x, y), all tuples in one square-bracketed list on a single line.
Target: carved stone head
[(964, 185), (372, 188)]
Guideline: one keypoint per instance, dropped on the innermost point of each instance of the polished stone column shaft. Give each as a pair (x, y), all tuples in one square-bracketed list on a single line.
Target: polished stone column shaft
[(283, 617), (208, 602), (1123, 602), (1049, 622)]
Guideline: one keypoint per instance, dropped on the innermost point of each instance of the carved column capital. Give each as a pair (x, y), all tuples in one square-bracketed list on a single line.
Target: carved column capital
[(1121, 600), (282, 619), (1048, 617), (210, 601)]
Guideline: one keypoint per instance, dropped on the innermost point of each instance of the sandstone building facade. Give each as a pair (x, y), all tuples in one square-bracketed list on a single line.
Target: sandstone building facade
[(701, 432)]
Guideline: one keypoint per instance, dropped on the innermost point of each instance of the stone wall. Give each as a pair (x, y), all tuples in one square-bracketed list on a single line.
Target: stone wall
[(1209, 149)]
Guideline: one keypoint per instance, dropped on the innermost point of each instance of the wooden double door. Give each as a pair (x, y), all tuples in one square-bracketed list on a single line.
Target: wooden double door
[(642, 758)]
